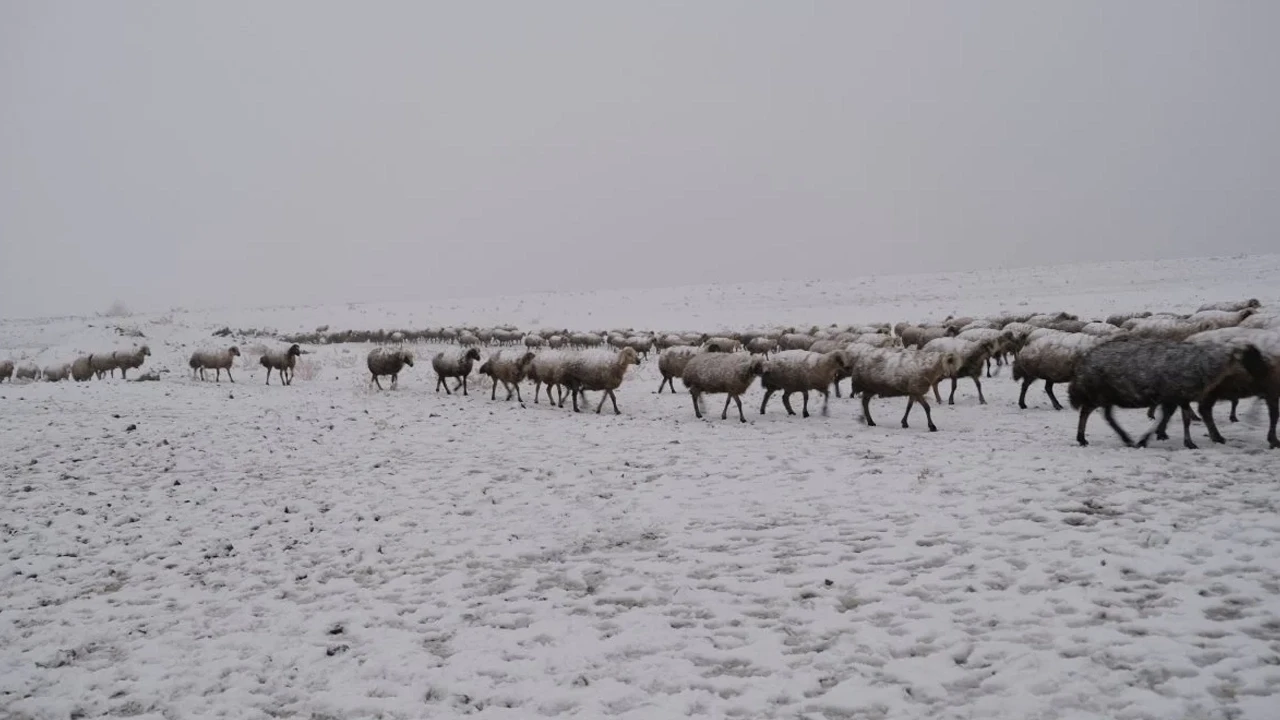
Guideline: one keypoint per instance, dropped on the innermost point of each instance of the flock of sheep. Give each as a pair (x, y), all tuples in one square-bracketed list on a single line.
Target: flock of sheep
[(85, 367), (1162, 362)]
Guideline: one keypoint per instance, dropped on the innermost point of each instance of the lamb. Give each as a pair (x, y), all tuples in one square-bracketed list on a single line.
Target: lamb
[(217, 360), (672, 362), (1135, 372), (82, 368), (886, 372), (454, 363), (1242, 385), (600, 370), (973, 356), (282, 362), (803, 371), (26, 371), (1231, 306), (731, 374), (130, 360), (509, 368), (385, 361), (57, 373), (762, 345), (1053, 359), (6, 370)]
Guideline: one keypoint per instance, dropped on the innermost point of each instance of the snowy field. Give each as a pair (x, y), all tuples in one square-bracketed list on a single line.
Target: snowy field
[(179, 549)]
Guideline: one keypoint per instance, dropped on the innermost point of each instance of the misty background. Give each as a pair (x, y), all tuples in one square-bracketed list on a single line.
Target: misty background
[(251, 153)]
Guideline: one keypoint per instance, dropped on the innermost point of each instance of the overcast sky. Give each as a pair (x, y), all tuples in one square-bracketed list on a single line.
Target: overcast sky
[(248, 153)]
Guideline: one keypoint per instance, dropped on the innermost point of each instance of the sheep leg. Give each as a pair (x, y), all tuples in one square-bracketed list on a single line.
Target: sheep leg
[(981, 400), (518, 398), (928, 412), (574, 393), (1232, 417), (537, 390), (1085, 411), (268, 375), (614, 400), (1048, 388), (1022, 397), (1206, 411), (724, 414), (662, 385), (805, 407), (395, 379), (866, 410), (786, 402), (1273, 410), (951, 399), (936, 395), (1186, 427), (738, 399), (697, 411), (1151, 413), (441, 381), (493, 393), (122, 374), (1158, 428), (837, 384), (1111, 420), (375, 382), (911, 401), (826, 400), (765, 403)]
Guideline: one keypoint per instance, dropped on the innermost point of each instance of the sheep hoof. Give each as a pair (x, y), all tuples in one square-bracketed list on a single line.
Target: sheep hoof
[(933, 428), (1162, 436), (1190, 445), (805, 414), (1022, 406), (1083, 442), (905, 425), (1218, 439)]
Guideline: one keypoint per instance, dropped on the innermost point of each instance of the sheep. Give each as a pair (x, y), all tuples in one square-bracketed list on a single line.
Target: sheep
[(82, 368), (1242, 385), (1231, 306), (282, 362), (1136, 372), (795, 341), (802, 371), (917, 337), (548, 369), (761, 345), (721, 345), (217, 360), (995, 339), (26, 371), (1100, 329), (57, 373), (600, 370), (886, 372), (672, 362), (555, 341), (454, 363), (130, 360), (6, 370), (509, 368), (731, 374), (532, 341), (642, 344), (973, 356), (385, 361), (1119, 319), (104, 364), (1176, 328), (1053, 359), (585, 340)]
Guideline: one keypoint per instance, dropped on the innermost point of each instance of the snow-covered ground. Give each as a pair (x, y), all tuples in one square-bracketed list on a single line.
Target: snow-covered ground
[(328, 551)]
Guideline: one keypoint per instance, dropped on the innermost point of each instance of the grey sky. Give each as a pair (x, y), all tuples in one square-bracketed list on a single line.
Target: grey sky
[(245, 153)]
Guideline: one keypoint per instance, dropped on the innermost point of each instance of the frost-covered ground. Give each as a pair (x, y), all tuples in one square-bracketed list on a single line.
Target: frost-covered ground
[(328, 551)]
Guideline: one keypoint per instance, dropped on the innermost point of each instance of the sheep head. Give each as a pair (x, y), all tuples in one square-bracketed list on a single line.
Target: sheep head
[(525, 360), (629, 356), (407, 357), (234, 351), (472, 354), (145, 350), (294, 350)]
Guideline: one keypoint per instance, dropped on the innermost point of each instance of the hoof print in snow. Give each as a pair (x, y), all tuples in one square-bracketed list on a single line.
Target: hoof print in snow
[(336, 650)]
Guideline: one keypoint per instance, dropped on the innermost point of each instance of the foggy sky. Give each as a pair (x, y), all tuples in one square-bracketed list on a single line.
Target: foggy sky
[(250, 153)]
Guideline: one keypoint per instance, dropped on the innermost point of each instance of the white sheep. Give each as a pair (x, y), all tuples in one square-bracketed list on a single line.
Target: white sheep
[(6, 370), (762, 345), (283, 362), (995, 339), (721, 345), (917, 337), (671, 364), (26, 371), (508, 367), (128, 360), (217, 360), (1053, 359), (1242, 385), (386, 361), (883, 372), (103, 364), (1100, 329), (57, 373), (973, 356), (729, 373), (547, 369), (454, 363), (1268, 320), (601, 370), (795, 341), (82, 368), (1231, 306), (803, 371), (533, 342)]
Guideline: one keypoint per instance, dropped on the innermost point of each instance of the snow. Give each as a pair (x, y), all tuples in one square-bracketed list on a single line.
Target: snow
[(326, 550)]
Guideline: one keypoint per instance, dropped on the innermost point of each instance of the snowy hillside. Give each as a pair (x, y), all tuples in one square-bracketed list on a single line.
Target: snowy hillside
[(180, 549)]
